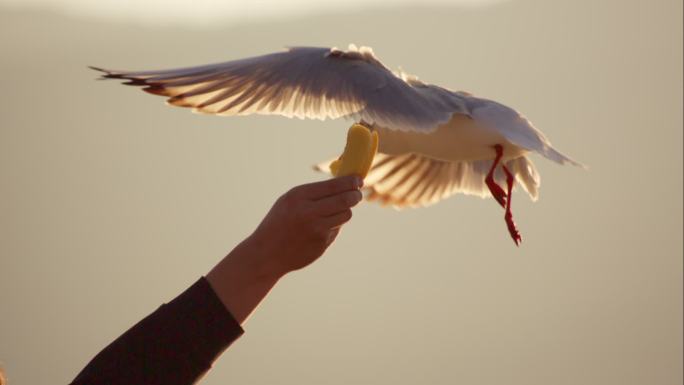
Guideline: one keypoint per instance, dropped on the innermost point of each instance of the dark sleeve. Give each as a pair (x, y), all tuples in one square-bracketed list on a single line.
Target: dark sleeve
[(176, 344)]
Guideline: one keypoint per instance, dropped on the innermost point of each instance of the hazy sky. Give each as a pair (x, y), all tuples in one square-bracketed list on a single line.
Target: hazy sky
[(112, 203), (203, 12)]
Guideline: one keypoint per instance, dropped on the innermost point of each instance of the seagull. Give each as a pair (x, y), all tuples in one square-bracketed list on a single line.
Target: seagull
[(433, 142)]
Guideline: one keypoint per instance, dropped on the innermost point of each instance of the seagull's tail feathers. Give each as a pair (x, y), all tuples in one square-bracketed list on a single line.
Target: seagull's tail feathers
[(553, 154), (526, 175), (412, 180)]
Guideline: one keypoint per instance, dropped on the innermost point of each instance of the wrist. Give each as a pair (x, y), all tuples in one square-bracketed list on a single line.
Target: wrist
[(244, 277), (263, 259)]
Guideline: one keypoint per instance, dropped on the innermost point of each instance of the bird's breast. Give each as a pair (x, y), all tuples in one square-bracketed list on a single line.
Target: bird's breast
[(460, 139)]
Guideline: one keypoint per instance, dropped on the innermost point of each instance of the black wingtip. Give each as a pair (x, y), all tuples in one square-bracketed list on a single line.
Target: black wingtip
[(99, 70), (109, 74), (128, 80), (104, 74)]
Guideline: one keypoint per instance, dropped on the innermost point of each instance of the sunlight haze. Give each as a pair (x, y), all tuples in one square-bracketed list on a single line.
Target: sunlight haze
[(112, 202), (199, 13)]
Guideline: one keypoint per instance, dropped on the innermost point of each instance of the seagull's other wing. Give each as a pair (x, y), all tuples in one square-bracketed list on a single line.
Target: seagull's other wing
[(514, 127), (411, 180), (304, 82)]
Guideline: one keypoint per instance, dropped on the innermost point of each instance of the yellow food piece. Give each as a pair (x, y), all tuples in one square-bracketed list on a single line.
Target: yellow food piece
[(335, 166), (358, 154)]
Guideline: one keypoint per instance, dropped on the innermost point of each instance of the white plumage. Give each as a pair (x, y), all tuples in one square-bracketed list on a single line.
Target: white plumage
[(433, 142)]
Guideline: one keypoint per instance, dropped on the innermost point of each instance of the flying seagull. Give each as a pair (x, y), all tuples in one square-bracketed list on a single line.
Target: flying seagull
[(433, 142)]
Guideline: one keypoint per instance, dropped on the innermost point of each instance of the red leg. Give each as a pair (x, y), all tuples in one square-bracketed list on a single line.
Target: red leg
[(509, 215), (497, 192)]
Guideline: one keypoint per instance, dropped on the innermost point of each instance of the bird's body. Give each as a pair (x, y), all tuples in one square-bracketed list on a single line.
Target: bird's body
[(433, 142), (460, 139)]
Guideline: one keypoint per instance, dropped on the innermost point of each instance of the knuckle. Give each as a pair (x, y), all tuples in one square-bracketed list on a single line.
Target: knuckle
[(353, 182), (348, 198), (294, 191), (346, 182), (346, 215), (286, 201), (342, 200), (279, 206), (356, 197), (351, 198)]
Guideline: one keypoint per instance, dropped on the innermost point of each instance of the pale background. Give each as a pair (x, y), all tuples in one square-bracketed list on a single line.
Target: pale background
[(112, 203)]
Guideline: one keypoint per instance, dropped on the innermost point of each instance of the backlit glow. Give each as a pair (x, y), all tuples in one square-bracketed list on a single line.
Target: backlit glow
[(213, 12)]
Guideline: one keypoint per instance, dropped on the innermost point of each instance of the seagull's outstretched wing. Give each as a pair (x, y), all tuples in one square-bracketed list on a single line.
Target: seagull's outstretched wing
[(304, 82), (412, 180)]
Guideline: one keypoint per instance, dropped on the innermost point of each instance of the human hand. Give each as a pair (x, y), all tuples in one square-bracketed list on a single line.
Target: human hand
[(300, 226), (303, 222)]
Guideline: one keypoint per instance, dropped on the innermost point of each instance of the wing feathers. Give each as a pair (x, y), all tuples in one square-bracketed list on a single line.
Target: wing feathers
[(411, 180), (304, 82)]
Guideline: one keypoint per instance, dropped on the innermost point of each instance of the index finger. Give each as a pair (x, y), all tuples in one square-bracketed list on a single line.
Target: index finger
[(326, 188)]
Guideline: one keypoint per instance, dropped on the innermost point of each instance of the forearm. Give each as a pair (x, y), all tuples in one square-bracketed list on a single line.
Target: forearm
[(174, 345), (244, 277)]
